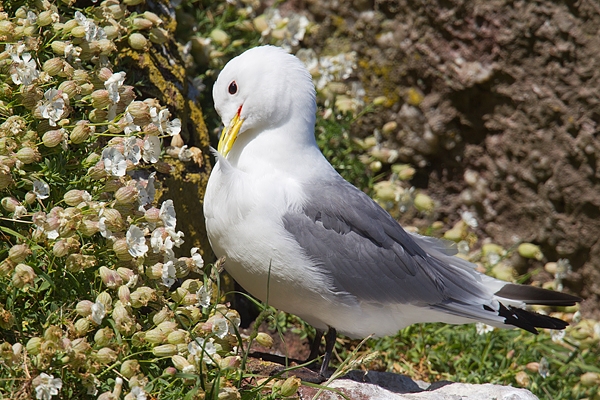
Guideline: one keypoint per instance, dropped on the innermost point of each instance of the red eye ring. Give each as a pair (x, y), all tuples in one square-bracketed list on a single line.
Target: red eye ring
[(233, 88)]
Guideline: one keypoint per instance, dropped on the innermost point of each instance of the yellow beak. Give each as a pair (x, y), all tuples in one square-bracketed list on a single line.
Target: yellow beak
[(229, 134)]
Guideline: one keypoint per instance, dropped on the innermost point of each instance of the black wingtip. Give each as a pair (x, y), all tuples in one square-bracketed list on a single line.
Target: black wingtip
[(535, 295), (529, 320)]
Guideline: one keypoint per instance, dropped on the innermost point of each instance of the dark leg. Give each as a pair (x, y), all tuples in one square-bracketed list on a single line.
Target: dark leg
[(329, 344), (314, 346)]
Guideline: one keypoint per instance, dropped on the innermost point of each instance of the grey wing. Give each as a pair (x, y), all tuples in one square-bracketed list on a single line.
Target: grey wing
[(367, 254)]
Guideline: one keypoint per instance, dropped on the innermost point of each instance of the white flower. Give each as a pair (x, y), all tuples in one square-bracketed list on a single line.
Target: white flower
[(104, 231), (469, 219), (98, 312), (138, 393), (92, 32), (130, 127), (53, 107), (161, 120), (184, 154), (19, 212), (114, 162), (112, 85), (167, 214), (24, 70), (47, 386), (133, 152), (151, 149), (72, 52), (53, 234), (202, 349), (168, 274), (220, 327), (204, 294), (146, 190), (136, 242), (197, 258), (557, 336), (41, 189), (482, 328)]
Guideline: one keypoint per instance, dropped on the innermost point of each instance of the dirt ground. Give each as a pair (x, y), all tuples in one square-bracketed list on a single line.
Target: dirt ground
[(497, 104)]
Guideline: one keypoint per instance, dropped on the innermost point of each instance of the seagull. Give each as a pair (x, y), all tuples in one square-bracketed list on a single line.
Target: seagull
[(299, 237)]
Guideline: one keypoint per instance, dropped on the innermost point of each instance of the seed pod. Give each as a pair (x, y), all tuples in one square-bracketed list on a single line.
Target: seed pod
[(81, 132), (130, 368), (165, 350), (530, 250), (53, 138), (106, 355), (54, 66), (84, 308), (82, 326), (264, 340), (18, 253), (181, 363)]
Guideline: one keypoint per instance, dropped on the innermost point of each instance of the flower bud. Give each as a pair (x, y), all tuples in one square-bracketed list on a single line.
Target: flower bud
[(89, 228), (106, 46), (70, 88), (155, 271), (82, 326), (137, 41), (88, 88), (530, 250), (110, 278), (78, 31), (590, 379), (124, 294), (165, 350), (112, 31), (158, 35), (130, 368), (81, 132), (34, 345), (141, 23), (74, 197), (58, 47), (149, 15), (163, 315), (290, 386), (103, 337), (53, 138), (105, 299), (121, 249), (230, 363), (264, 340), (132, 2), (28, 155), (100, 99), (167, 326), (181, 363), (142, 296), (23, 275), (106, 355), (60, 248), (18, 253), (54, 66), (424, 203), (152, 215), (84, 308), (155, 336), (97, 172), (177, 337), (127, 195)]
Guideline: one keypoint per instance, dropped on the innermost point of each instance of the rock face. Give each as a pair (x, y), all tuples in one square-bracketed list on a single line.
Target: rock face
[(388, 386), (495, 103)]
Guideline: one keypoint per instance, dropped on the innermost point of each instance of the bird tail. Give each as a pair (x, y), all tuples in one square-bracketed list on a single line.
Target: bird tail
[(529, 320)]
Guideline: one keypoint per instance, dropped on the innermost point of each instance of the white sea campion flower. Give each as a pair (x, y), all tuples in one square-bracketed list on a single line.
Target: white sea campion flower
[(24, 69), (130, 127), (41, 189), (98, 312), (72, 52), (197, 258), (168, 274), (133, 152), (557, 336), (136, 242), (112, 85), (184, 154), (138, 393), (92, 31), (482, 328), (146, 190), (104, 231), (202, 349), (204, 294), (114, 162), (53, 107), (46, 386), (161, 120), (469, 219), (19, 212), (167, 214), (220, 327), (151, 149)]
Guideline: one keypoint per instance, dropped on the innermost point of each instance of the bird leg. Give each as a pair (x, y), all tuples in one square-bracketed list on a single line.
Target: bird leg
[(329, 344), (314, 346)]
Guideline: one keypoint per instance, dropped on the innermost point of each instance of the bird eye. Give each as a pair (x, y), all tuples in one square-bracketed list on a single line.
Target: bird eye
[(233, 88)]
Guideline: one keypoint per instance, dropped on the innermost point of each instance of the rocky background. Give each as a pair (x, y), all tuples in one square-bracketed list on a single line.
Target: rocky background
[(496, 105)]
